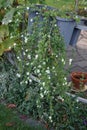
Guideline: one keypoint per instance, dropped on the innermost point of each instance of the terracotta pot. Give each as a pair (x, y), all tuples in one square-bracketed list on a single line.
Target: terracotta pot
[(79, 79)]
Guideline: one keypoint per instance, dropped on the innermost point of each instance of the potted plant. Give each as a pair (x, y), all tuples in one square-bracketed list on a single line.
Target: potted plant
[(64, 24), (79, 80)]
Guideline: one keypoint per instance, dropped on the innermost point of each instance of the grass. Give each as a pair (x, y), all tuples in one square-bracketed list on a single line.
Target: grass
[(61, 4), (10, 121)]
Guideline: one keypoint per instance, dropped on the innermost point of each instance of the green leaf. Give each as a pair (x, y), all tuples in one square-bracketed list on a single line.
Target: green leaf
[(6, 3), (4, 32), (8, 17), (6, 44)]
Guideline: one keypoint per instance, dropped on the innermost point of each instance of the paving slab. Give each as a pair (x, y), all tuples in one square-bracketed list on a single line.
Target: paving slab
[(78, 54)]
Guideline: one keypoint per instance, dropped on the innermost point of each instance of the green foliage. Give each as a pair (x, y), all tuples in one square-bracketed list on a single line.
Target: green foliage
[(37, 81), (10, 117)]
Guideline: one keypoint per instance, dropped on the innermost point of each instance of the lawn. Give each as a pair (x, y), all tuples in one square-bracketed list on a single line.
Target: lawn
[(60, 3)]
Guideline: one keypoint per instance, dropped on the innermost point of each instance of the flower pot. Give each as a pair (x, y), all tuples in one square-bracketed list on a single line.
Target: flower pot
[(34, 13), (79, 79), (66, 27)]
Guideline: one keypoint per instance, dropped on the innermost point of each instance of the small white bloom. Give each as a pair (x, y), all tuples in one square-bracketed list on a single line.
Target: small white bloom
[(21, 83), (26, 50), (43, 83), (27, 73), (39, 74), (41, 95), (77, 100), (29, 56), (39, 66), (31, 20), (3, 23), (26, 39), (36, 56), (9, 47), (11, 36), (24, 53), (41, 88), (62, 60), (37, 13), (18, 75), (48, 71), (48, 36), (76, 16), (38, 71), (70, 61), (44, 63), (85, 8), (19, 13), (27, 8), (45, 92), (49, 77), (14, 44), (26, 82), (27, 63), (10, 21), (50, 117), (55, 25), (30, 80), (65, 78), (22, 35), (53, 67)]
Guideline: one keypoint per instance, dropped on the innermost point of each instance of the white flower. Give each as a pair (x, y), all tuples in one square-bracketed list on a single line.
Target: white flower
[(45, 92), (50, 117), (11, 36), (27, 73), (30, 80), (38, 71), (37, 13), (36, 56), (29, 56), (26, 39), (65, 78), (3, 23), (63, 61), (18, 57), (18, 75), (49, 77), (26, 82), (22, 35), (77, 100), (39, 66), (85, 8), (27, 63), (44, 63), (27, 8), (41, 95), (53, 67), (24, 53), (31, 20), (70, 61), (14, 44), (55, 25), (21, 82), (9, 47), (48, 71), (48, 36), (19, 13), (41, 88), (26, 50), (43, 83), (10, 21)]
